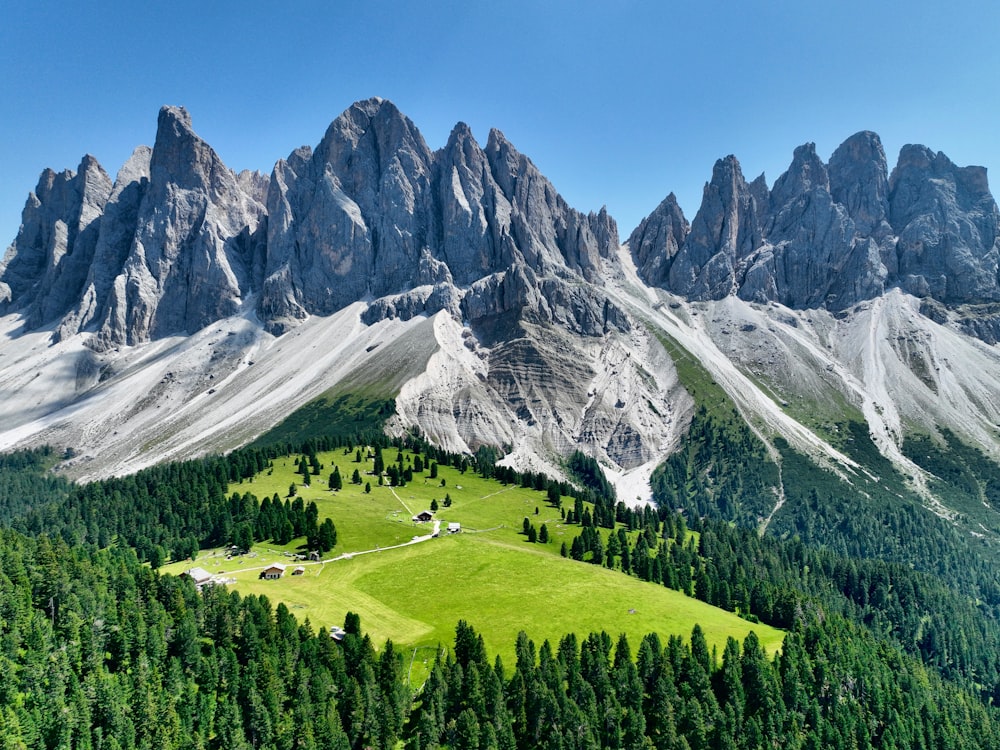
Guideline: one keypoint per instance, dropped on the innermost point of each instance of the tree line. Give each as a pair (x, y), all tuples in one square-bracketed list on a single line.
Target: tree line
[(834, 685), (97, 651), (100, 651)]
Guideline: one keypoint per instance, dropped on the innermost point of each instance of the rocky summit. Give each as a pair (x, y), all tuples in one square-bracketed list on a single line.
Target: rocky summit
[(183, 308), (831, 235)]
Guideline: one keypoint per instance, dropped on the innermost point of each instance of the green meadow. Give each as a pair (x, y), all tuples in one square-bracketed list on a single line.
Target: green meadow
[(488, 575)]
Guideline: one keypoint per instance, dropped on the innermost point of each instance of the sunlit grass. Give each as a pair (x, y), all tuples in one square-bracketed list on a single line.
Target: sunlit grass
[(489, 575)]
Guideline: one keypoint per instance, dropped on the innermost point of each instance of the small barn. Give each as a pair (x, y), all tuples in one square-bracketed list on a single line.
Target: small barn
[(273, 572), (299, 570), (454, 527), (337, 633), (200, 576), (423, 516)]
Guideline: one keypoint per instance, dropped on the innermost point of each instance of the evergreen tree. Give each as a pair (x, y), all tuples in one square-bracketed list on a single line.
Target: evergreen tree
[(326, 536)]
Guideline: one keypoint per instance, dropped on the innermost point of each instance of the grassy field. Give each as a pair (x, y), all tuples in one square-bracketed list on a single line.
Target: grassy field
[(489, 575)]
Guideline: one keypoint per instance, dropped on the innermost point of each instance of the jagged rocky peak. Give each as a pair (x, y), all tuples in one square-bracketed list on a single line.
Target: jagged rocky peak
[(551, 236), (188, 262), (832, 235), (812, 256), (378, 155), (806, 174), (725, 231), (114, 240), (347, 220), (164, 250), (473, 227), (361, 215), (658, 239), (180, 240), (605, 230), (947, 223), (859, 181), (45, 267)]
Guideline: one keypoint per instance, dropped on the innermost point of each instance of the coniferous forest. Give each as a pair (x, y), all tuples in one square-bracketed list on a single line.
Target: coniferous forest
[(99, 650)]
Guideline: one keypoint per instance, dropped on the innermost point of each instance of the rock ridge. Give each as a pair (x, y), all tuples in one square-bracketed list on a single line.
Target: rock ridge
[(831, 235)]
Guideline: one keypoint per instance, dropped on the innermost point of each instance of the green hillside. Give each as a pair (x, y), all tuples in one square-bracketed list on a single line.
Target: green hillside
[(489, 574)]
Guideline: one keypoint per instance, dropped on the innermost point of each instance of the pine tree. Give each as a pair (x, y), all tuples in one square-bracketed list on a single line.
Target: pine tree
[(336, 483), (326, 536)]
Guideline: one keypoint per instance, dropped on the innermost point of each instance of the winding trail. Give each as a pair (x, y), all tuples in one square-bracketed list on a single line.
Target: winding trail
[(344, 555)]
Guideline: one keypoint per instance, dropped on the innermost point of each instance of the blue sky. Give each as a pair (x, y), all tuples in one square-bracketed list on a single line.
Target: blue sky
[(617, 102)]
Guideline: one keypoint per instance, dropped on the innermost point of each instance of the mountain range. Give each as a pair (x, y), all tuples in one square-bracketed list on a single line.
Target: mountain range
[(182, 308)]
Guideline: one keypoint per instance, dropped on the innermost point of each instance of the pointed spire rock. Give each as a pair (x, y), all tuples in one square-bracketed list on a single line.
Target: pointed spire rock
[(859, 181), (474, 226), (806, 173), (948, 227), (189, 261), (656, 241), (114, 240), (725, 231), (45, 268)]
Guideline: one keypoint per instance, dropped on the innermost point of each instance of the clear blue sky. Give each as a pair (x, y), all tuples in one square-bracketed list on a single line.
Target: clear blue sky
[(617, 102)]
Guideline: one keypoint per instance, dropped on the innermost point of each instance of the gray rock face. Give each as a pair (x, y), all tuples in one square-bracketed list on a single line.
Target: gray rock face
[(859, 182), (946, 220), (117, 230), (349, 220), (725, 231), (832, 235), (374, 213), (46, 267), (812, 257), (167, 249), (188, 263), (179, 240), (657, 240), (472, 227)]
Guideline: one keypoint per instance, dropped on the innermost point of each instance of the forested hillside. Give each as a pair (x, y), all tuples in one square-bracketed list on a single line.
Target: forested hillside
[(101, 651)]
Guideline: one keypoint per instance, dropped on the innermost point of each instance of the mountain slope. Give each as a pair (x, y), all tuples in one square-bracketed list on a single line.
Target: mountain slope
[(186, 309)]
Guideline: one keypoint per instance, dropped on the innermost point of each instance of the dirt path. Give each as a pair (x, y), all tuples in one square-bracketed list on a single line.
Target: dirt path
[(343, 555), (401, 502)]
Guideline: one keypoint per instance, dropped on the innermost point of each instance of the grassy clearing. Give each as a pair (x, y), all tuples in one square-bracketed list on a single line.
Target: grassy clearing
[(382, 517), (489, 575)]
